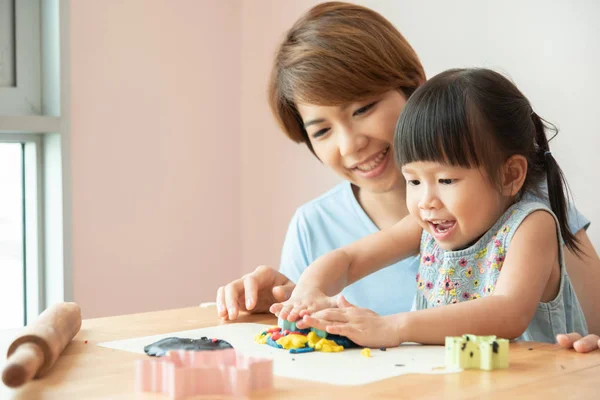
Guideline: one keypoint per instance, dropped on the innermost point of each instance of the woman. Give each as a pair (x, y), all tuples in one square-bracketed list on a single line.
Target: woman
[(340, 80)]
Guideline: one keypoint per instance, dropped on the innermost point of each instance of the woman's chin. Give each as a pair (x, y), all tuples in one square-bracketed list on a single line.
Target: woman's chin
[(389, 182)]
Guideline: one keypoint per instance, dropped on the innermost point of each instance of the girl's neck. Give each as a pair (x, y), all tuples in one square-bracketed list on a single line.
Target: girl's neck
[(384, 209)]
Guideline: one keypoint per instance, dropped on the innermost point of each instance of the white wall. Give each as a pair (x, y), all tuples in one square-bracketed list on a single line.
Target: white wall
[(550, 49)]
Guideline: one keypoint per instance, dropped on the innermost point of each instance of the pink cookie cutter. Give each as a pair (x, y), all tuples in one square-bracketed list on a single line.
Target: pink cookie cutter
[(185, 373)]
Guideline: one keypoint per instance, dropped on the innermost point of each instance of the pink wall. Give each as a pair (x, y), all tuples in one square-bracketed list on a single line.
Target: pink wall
[(181, 179), (277, 174), (155, 152)]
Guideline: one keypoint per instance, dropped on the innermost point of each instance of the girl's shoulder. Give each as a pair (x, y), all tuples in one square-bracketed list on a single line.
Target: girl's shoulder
[(513, 218)]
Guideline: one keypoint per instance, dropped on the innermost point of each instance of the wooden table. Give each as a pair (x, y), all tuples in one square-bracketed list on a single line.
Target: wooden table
[(86, 371)]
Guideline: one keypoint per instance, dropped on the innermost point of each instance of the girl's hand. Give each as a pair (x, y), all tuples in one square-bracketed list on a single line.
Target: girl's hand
[(304, 301), (581, 345), (363, 326)]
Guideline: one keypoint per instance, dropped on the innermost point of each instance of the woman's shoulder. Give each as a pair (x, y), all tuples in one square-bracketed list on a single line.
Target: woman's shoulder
[(337, 200), (576, 220), (334, 215)]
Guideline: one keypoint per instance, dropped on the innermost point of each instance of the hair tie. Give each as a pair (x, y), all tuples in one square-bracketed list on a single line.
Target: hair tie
[(547, 153)]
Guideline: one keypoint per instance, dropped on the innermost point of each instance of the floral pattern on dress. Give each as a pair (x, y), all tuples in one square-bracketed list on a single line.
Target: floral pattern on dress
[(452, 277)]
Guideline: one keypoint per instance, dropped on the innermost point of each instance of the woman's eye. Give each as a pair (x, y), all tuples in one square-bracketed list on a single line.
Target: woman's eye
[(446, 181), (320, 133), (413, 182), (364, 109)]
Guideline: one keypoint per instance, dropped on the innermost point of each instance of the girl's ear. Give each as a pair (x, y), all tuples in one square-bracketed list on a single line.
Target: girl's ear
[(514, 173)]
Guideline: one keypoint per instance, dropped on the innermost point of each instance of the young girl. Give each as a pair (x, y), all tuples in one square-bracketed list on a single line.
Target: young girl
[(472, 152)]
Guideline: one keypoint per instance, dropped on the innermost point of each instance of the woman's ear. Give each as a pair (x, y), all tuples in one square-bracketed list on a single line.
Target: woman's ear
[(514, 173)]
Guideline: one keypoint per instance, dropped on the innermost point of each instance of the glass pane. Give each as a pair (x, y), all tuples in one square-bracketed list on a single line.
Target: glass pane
[(7, 43), (11, 236)]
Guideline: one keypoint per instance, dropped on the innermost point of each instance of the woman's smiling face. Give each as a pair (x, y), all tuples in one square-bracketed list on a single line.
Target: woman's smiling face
[(356, 139)]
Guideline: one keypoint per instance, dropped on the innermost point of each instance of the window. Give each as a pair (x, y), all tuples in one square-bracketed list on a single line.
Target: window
[(32, 268), (7, 41), (12, 245)]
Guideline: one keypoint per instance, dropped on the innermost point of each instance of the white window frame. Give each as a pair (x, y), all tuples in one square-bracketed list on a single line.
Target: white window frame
[(36, 112), (25, 98), (34, 229)]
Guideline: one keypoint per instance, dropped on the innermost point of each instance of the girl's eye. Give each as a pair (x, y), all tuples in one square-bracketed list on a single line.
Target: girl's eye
[(320, 133), (364, 109), (413, 182), (446, 181)]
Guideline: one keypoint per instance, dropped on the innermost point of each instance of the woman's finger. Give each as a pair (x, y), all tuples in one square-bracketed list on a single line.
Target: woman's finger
[(342, 302), (566, 341), (221, 308), (250, 291), (586, 344), (283, 292), (233, 292)]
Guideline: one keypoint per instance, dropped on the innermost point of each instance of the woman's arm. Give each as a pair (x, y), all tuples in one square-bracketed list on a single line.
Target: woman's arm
[(585, 276)]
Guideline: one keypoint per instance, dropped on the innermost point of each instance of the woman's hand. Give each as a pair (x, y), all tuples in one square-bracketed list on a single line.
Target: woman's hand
[(254, 292), (363, 326), (305, 300), (579, 343)]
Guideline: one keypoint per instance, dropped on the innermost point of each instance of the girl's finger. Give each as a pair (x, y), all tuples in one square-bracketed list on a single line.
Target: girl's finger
[(295, 313), (332, 314), (307, 311), (310, 322), (285, 311), (276, 308), (341, 329)]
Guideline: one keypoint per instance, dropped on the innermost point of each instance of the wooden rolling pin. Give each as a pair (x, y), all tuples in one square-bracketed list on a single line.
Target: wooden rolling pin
[(35, 351)]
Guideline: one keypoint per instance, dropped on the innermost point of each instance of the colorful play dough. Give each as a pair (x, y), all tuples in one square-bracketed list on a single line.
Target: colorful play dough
[(288, 336)]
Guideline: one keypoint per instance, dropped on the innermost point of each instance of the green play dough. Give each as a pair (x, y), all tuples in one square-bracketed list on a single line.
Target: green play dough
[(291, 326), (476, 352)]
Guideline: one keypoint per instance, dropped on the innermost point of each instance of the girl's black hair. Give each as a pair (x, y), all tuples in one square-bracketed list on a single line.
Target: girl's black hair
[(478, 118)]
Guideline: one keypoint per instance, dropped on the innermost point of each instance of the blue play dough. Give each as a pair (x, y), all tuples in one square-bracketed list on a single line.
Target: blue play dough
[(273, 343), (302, 350), (343, 341)]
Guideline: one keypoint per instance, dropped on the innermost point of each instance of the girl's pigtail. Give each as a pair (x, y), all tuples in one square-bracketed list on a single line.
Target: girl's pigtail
[(557, 185)]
